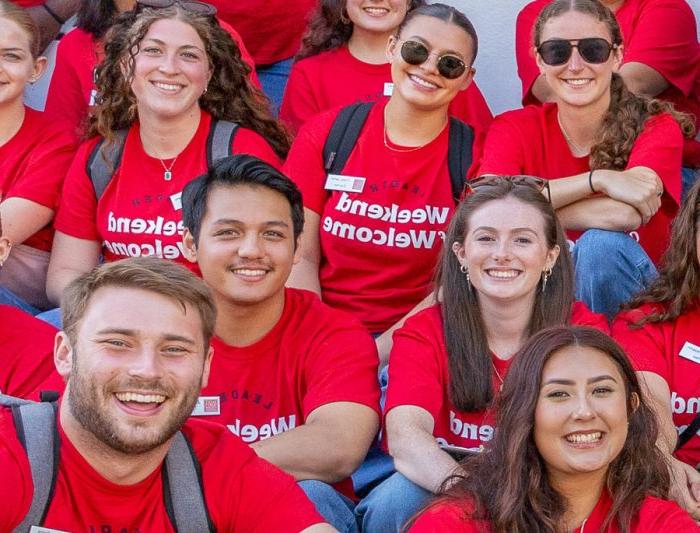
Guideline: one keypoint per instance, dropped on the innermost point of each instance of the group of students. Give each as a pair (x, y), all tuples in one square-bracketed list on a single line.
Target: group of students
[(470, 297)]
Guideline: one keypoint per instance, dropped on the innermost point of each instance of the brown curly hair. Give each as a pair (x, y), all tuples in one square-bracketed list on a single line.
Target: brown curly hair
[(229, 96), (627, 113), (329, 27)]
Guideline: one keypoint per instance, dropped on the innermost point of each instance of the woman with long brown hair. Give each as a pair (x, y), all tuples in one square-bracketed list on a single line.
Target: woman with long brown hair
[(173, 95), (574, 451), (613, 158)]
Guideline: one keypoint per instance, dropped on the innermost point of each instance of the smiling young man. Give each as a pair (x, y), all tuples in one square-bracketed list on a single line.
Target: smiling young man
[(292, 377), (135, 352)]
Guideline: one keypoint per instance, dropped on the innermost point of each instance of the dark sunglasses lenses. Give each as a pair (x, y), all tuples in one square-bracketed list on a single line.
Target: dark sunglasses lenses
[(521, 179), (449, 66), (200, 8), (558, 51)]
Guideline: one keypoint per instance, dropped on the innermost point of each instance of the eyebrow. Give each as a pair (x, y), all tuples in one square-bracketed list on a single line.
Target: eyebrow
[(441, 53), (235, 222), (13, 49), (184, 46), (590, 381), (134, 333), (514, 230)]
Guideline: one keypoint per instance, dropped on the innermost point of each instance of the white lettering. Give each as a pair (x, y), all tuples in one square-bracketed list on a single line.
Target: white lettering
[(681, 405), (466, 430), (251, 433)]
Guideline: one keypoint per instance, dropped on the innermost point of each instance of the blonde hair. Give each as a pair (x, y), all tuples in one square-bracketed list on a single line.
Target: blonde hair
[(19, 16)]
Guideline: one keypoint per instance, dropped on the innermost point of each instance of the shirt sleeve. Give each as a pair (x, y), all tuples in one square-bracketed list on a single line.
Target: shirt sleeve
[(503, 151), (582, 316), (248, 142), (644, 346), (524, 43), (299, 103)]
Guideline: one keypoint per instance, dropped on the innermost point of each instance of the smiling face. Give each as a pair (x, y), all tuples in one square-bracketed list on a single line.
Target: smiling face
[(376, 16), (135, 369), (577, 82), (171, 70), (17, 66), (581, 413), (422, 85), (505, 250)]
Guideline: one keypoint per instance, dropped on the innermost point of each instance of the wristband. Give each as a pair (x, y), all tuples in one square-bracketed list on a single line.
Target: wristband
[(590, 180), (53, 14)]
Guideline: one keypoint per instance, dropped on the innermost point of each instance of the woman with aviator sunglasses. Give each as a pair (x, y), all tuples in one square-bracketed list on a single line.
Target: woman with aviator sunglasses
[(170, 76), (505, 274), (343, 60), (613, 159)]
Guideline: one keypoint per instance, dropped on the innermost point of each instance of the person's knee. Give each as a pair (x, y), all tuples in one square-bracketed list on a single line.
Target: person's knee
[(391, 504), (596, 245)]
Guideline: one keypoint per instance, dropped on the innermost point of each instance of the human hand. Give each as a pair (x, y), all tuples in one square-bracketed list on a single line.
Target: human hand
[(685, 487), (639, 187)]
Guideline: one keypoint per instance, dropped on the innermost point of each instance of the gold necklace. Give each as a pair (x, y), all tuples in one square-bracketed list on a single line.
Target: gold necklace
[(497, 375), (404, 150), (569, 140)]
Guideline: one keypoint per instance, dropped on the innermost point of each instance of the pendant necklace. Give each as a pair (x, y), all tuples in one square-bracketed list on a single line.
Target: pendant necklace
[(168, 171), (500, 379)]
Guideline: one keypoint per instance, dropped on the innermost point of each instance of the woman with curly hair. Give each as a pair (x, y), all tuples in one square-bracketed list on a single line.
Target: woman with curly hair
[(170, 92), (72, 90), (343, 60), (613, 158), (574, 450), (660, 330)]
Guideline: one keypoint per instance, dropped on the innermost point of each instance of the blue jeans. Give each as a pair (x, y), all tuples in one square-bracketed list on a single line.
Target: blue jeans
[(388, 507), (273, 79), (336, 509), (611, 267), (688, 177), (7, 297), (53, 317)]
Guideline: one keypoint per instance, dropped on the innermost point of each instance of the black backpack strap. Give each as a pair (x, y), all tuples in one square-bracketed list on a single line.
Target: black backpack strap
[(343, 136), (688, 432), (183, 492), (101, 167), (459, 155), (219, 140)]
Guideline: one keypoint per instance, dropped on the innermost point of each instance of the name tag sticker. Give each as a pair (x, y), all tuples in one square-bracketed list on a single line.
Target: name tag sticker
[(207, 406), (690, 351), (336, 182), (39, 529), (176, 200), (388, 88)]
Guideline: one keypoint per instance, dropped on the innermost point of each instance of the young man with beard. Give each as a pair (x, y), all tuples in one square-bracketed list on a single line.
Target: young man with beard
[(134, 353), (292, 377)]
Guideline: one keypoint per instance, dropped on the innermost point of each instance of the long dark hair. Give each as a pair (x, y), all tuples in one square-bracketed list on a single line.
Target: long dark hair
[(627, 112), (96, 16), (523, 500), (468, 353), (677, 288), (229, 96), (330, 28)]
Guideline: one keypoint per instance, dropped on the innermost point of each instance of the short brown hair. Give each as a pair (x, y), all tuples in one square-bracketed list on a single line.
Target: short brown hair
[(20, 17), (160, 276)]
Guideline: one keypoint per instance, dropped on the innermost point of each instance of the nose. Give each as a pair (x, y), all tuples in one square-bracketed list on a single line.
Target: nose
[(501, 251), (583, 409), (250, 247), (168, 64), (576, 62), (430, 64), (146, 364)]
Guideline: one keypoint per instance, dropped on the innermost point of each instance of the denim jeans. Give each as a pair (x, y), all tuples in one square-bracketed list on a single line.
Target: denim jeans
[(53, 317), (336, 509), (688, 177), (273, 79), (611, 267), (387, 508), (7, 297)]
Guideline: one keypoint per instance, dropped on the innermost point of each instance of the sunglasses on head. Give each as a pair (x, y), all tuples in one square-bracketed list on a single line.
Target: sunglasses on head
[(537, 183), (591, 49), (448, 65), (193, 6)]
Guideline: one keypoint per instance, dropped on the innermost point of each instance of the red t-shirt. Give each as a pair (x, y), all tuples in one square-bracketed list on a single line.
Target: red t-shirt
[(33, 164), (337, 79), (26, 357), (243, 492), (661, 34), (72, 90), (530, 141), (669, 349), (655, 515), (419, 375), (271, 29), (313, 356), (378, 246), (139, 212)]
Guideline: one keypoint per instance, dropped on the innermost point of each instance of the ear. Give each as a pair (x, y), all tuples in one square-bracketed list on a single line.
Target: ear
[(39, 67), (468, 78), (552, 256), (618, 55), (391, 45), (5, 248), (207, 366), (297, 249), (189, 246), (63, 354), (538, 59), (634, 401), (458, 250)]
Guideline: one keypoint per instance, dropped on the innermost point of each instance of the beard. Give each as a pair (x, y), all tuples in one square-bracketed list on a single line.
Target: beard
[(90, 407)]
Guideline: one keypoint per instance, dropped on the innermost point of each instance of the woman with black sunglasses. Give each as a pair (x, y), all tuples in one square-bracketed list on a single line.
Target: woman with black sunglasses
[(343, 60), (613, 159), (170, 90)]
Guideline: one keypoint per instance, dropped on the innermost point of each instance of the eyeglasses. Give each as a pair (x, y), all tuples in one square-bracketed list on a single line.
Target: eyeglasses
[(193, 6), (592, 50), (448, 65), (537, 183)]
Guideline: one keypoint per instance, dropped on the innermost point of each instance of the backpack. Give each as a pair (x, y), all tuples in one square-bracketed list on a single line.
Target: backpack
[(183, 494), (688, 433), (347, 127), (100, 169)]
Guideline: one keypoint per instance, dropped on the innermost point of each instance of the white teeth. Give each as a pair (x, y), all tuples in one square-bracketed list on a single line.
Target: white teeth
[(376, 10), (421, 81), (249, 272), (577, 81), (166, 86), (579, 438), (139, 398), (503, 274)]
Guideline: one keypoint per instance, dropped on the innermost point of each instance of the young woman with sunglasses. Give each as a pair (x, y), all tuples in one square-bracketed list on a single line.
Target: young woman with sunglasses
[(168, 74), (34, 157), (613, 159), (505, 273), (574, 450), (343, 60), (371, 252), (72, 90), (660, 330)]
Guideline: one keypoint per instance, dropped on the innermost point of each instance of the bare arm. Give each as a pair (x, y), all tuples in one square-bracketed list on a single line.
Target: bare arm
[(22, 218), (643, 80), (305, 273), (416, 453), (601, 213), (320, 528), (48, 26), (70, 257), (328, 447)]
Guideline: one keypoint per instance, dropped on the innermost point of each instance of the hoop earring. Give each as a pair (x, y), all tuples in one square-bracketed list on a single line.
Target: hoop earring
[(545, 276)]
